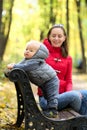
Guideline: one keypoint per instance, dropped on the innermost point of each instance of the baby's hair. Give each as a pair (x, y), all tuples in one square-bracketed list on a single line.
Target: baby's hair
[(34, 42)]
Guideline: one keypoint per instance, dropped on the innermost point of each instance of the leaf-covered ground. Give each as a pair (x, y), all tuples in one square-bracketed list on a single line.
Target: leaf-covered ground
[(8, 106), (8, 101)]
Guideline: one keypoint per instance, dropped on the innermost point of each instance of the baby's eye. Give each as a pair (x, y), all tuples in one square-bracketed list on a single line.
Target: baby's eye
[(26, 48), (31, 50)]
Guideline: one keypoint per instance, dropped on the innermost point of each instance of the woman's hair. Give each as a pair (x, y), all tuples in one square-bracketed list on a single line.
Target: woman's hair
[(64, 46)]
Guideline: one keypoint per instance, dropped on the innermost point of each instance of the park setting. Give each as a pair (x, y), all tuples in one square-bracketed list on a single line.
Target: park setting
[(21, 22)]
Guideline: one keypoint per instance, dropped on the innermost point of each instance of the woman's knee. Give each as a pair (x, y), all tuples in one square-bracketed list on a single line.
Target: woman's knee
[(83, 109), (76, 100), (76, 95)]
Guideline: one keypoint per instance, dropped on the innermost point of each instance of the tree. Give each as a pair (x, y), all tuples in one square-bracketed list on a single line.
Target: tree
[(67, 17), (78, 3), (49, 10), (5, 23)]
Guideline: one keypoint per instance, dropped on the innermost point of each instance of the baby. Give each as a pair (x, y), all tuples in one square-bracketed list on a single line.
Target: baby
[(40, 74)]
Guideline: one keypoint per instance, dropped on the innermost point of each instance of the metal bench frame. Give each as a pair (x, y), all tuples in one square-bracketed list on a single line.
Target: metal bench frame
[(29, 110)]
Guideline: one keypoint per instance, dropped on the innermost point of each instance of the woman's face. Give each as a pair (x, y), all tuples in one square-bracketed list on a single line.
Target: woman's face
[(57, 37)]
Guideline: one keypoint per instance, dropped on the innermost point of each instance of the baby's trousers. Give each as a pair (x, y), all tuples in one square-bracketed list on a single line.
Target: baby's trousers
[(50, 92)]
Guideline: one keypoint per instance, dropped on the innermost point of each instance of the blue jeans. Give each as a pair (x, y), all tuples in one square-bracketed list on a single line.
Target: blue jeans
[(68, 99), (83, 109)]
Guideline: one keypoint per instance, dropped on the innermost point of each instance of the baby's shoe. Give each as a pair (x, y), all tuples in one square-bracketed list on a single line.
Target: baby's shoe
[(51, 113)]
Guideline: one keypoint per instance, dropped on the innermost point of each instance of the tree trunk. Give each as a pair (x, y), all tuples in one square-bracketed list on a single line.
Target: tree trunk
[(4, 35), (81, 37), (67, 17)]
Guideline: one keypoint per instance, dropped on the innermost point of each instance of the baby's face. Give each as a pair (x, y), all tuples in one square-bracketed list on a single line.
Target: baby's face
[(30, 50)]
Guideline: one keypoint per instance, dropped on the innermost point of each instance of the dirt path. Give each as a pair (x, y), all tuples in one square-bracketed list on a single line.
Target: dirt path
[(79, 81)]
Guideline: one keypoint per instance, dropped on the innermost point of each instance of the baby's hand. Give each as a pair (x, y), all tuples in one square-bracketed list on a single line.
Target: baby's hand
[(10, 66)]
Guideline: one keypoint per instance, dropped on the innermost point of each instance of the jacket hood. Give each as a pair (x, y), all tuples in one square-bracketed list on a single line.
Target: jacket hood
[(42, 53)]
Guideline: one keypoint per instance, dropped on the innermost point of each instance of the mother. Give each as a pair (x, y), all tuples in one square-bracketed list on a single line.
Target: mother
[(57, 45)]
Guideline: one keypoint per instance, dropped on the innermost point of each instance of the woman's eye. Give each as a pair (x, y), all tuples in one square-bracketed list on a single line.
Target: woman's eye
[(59, 36), (54, 36)]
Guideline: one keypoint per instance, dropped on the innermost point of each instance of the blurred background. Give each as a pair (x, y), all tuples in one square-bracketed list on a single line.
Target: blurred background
[(31, 19), (26, 20)]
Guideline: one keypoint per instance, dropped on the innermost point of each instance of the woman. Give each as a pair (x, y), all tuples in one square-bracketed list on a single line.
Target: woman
[(58, 58), (57, 45)]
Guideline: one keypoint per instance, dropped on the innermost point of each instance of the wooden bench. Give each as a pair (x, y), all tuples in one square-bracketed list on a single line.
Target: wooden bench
[(30, 111)]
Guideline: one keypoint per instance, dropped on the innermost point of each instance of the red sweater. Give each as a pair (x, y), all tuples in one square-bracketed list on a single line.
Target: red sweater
[(63, 67)]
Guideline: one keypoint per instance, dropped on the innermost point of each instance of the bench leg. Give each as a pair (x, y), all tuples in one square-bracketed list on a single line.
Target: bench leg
[(20, 115)]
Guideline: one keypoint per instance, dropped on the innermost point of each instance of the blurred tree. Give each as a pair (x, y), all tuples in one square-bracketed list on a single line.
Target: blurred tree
[(52, 16), (78, 3), (67, 17), (49, 11), (5, 23), (86, 2)]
